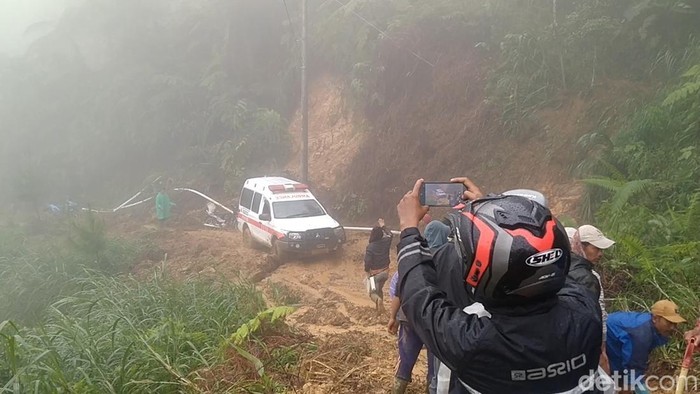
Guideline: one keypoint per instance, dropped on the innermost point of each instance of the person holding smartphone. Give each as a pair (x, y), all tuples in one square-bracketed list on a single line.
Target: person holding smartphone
[(530, 331)]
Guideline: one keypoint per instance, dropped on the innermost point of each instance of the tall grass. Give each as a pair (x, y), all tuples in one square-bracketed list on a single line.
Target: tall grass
[(37, 269), (125, 336), (72, 322)]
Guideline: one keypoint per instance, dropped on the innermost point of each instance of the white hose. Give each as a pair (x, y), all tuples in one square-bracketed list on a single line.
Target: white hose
[(367, 229), (205, 196)]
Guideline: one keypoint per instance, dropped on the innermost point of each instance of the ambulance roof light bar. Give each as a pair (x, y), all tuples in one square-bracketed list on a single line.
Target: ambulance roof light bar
[(287, 188)]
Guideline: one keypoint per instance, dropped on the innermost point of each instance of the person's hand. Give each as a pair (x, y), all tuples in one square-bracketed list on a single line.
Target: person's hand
[(472, 193), (604, 363), (692, 333), (380, 222), (409, 209), (392, 327)]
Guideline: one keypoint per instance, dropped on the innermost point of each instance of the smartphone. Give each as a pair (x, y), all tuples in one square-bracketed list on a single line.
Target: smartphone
[(441, 194)]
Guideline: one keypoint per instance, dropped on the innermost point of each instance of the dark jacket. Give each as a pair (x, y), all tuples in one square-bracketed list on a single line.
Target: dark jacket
[(377, 252), (451, 272), (544, 347), (581, 272)]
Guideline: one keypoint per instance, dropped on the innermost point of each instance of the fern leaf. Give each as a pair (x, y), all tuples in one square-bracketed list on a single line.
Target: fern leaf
[(281, 312), (629, 190), (688, 89), (692, 72), (609, 184)]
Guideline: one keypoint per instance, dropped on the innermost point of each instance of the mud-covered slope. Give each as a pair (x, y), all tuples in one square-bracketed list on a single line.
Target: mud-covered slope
[(437, 123)]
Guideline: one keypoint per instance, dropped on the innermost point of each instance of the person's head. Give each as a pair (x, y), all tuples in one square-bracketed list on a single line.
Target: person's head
[(376, 234), (665, 317), (436, 233), (592, 243), (515, 251)]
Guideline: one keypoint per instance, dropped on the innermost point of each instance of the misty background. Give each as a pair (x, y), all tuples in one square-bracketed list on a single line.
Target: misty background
[(20, 18), (99, 96)]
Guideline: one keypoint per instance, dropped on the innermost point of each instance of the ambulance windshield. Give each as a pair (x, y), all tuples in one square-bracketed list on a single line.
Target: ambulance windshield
[(297, 209)]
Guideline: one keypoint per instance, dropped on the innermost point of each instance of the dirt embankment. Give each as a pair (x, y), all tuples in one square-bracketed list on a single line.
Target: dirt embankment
[(436, 123)]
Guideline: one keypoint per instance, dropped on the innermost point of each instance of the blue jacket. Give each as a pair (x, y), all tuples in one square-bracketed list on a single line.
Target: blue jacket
[(631, 338)]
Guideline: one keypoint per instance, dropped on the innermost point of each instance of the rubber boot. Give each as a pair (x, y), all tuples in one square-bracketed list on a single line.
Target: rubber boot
[(399, 386)]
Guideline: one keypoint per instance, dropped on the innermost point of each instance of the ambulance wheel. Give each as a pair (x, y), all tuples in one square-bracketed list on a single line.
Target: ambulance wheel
[(337, 252), (278, 254), (247, 238)]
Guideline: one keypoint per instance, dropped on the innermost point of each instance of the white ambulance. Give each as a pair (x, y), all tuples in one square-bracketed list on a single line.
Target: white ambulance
[(283, 215)]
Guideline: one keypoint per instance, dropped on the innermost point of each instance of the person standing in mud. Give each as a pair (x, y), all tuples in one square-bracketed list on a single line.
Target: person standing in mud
[(377, 263), (409, 343), (163, 204)]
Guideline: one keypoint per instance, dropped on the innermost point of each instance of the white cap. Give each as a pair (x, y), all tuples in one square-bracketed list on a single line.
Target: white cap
[(570, 231), (595, 237)]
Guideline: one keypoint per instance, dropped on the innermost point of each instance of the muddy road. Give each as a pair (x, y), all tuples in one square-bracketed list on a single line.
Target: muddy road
[(356, 354)]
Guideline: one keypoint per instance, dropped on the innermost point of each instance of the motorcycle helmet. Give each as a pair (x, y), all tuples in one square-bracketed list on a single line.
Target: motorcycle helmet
[(514, 250)]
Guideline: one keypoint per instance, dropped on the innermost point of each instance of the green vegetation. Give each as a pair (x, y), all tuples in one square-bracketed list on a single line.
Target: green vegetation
[(124, 336), (651, 203), (37, 270), (69, 322)]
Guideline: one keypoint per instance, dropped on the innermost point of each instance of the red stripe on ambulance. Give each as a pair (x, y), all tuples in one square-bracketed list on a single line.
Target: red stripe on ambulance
[(261, 226)]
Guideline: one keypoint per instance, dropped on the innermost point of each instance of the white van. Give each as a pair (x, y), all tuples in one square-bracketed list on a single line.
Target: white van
[(283, 215)]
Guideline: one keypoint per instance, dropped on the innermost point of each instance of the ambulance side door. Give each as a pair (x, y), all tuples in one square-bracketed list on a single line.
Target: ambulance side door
[(266, 212), (257, 231)]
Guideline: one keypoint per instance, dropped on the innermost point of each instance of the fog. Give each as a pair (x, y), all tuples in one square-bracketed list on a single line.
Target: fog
[(99, 96), (17, 17)]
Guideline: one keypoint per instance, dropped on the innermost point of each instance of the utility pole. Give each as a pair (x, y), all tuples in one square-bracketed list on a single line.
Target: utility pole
[(304, 101)]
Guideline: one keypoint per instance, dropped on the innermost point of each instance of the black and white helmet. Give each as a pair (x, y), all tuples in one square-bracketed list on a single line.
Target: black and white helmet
[(514, 249)]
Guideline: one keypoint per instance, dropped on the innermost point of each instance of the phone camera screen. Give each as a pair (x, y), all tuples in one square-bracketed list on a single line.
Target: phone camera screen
[(443, 194)]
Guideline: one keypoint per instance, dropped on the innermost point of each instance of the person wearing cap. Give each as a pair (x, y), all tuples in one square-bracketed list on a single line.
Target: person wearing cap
[(587, 245), (587, 250), (632, 336)]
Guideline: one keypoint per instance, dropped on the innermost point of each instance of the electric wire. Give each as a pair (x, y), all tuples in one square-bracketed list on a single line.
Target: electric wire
[(289, 19), (383, 33)]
